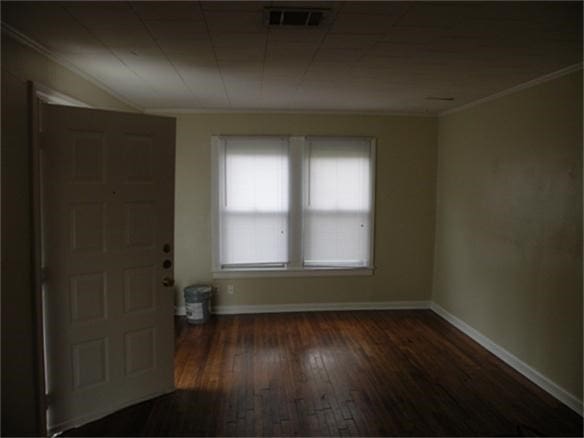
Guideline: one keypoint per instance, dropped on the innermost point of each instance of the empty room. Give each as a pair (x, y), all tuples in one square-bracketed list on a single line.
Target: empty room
[(328, 218)]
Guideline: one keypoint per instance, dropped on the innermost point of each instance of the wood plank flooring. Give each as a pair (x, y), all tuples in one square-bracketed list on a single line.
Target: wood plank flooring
[(366, 373)]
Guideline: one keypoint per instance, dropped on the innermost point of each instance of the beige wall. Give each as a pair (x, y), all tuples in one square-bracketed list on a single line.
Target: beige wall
[(508, 257), (20, 64), (404, 215)]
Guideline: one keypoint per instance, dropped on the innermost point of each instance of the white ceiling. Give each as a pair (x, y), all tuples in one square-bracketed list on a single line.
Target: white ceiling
[(373, 56)]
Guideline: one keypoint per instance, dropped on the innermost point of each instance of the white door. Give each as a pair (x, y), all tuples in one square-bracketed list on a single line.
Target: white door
[(108, 207)]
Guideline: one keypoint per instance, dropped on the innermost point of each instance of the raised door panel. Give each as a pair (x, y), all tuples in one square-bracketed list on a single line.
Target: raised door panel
[(139, 159), (87, 225), (140, 288), (140, 351), (88, 157), (90, 363), (140, 224), (88, 297)]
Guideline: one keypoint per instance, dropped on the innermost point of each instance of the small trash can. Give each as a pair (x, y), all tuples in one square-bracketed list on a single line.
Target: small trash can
[(197, 298)]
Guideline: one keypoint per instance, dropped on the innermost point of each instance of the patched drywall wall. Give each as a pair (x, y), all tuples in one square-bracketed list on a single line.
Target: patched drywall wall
[(508, 258)]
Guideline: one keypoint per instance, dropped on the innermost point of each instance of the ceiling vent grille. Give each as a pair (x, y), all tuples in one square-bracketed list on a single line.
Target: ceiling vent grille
[(296, 17)]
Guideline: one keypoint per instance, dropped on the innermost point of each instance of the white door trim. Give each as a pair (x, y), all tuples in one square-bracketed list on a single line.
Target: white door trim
[(36, 181)]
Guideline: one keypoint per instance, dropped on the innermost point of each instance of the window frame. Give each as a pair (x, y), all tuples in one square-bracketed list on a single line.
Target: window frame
[(298, 153)]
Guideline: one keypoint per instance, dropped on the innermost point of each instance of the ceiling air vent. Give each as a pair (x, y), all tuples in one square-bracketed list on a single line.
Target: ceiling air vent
[(298, 17)]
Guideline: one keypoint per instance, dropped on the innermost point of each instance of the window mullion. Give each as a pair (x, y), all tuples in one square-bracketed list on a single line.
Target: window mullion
[(217, 198), (295, 213)]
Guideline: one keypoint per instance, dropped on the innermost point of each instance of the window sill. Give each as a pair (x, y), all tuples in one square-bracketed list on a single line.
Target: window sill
[(290, 272)]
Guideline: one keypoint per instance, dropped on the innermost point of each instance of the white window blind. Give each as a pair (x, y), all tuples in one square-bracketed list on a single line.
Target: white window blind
[(253, 201), (337, 202), (293, 204)]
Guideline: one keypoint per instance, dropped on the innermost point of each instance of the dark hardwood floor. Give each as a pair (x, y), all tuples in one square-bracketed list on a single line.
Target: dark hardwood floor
[(398, 373)]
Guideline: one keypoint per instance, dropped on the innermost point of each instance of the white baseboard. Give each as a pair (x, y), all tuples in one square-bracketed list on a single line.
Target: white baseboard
[(311, 307), (319, 307), (535, 376)]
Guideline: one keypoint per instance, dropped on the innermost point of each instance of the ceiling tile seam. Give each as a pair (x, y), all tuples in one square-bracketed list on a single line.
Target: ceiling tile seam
[(523, 86), (109, 49), (264, 64), (63, 62), (320, 44), (401, 16), (370, 49), (215, 53), (193, 95), (392, 24)]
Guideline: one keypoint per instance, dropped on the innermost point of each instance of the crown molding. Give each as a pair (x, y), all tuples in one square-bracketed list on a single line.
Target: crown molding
[(531, 83), (47, 94), (169, 111), (39, 48)]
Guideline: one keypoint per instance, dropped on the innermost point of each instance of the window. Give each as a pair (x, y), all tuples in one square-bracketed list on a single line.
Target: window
[(337, 203), (292, 204), (253, 212)]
